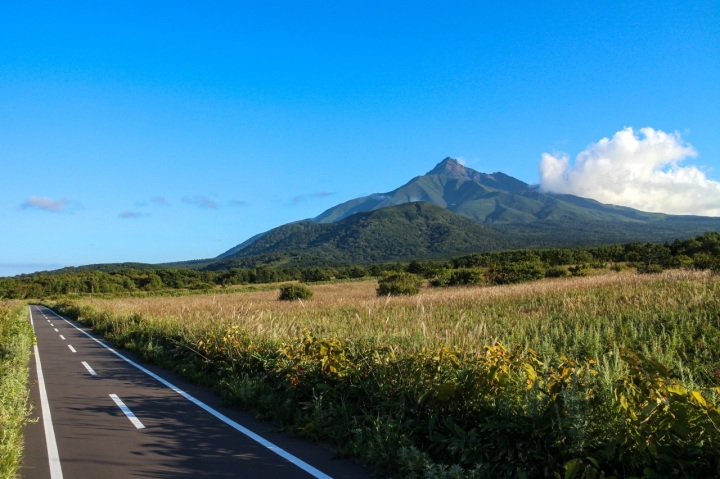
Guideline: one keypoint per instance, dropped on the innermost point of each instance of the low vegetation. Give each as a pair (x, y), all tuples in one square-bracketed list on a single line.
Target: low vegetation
[(607, 374), (505, 267), (294, 292), (400, 283), (16, 339)]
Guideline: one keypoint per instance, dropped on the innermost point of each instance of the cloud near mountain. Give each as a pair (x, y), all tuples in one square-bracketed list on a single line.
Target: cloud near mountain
[(636, 169)]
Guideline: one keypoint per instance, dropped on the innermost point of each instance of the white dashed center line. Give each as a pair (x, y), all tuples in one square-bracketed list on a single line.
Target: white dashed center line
[(136, 422), (90, 370)]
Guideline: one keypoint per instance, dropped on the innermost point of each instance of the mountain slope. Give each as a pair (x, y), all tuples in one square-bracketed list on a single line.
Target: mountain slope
[(488, 198), (409, 231), (452, 210)]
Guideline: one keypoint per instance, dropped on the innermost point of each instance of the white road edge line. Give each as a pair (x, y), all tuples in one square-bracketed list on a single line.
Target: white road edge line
[(90, 370), (51, 443), (71, 348), (242, 429), (136, 422)]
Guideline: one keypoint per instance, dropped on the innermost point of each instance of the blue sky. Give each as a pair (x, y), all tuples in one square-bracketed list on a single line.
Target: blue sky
[(163, 131)]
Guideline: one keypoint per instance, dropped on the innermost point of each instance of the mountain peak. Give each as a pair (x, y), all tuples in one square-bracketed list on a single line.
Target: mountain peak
[(449, 166)]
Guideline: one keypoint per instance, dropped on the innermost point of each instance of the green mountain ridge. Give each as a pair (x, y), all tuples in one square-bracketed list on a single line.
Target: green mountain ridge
[(479, 212), (398, 233), (451, 211), (488, 198)]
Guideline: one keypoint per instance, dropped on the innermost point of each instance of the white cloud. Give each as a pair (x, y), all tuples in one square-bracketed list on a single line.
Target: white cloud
[(45, 204), (640, 170)]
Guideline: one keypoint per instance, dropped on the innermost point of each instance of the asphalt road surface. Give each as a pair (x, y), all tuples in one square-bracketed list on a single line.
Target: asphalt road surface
[(104, 414)]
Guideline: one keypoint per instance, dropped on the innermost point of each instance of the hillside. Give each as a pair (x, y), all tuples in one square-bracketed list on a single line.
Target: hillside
[(404, 232), (451, 210), (488, 198)]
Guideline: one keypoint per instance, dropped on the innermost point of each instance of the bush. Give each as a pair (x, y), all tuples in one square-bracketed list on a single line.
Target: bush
[(516, 272), (556, 272), (578, 270), (459, 277), (396, 284), (466, 276), (649, 269), (441, 280), (292, 292)]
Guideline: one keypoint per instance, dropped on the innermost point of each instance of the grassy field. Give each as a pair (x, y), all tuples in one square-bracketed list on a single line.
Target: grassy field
[(15, 342), (612, 374)]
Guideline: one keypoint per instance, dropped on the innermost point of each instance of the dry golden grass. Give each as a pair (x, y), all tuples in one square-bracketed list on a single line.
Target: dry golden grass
[(596, 337), (537, 314)]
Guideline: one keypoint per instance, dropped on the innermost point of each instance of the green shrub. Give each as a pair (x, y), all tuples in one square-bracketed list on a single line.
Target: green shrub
[(649, 269), (458, 277), (396, 284), (293, 292), (466, 276), (556, 272), (442, 279), (516, 272), (578, 270)]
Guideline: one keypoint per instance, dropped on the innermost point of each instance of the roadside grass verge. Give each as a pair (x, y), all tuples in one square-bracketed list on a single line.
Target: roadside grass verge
[(613, 375), (16, 339)]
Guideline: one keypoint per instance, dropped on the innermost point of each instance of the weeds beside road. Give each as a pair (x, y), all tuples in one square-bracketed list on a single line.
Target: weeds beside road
[(16, 339), (615, 374)]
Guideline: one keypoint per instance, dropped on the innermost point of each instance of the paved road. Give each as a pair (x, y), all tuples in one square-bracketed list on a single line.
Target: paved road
[(114, 419)]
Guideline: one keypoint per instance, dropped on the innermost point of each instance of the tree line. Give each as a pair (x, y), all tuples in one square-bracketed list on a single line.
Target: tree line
[(701, 252)]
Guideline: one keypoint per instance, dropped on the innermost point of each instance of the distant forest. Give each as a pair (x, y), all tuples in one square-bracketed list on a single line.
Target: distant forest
[(701, 252)]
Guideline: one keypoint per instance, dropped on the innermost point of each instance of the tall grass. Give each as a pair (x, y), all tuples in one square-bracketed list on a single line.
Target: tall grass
[(15, 341), (557, 376)]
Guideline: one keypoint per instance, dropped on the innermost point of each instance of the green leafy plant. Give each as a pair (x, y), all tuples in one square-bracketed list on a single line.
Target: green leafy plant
[(294, 292), (516, 272), (16, 337), (395, 284)]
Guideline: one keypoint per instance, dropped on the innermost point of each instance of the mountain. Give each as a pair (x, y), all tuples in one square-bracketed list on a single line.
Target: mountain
[(403, 232), (488, 198), (454, 210)]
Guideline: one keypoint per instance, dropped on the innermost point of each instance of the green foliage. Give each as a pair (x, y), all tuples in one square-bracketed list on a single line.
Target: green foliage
[(475, 412), (649, 269), (459, 277), (16, 338), (578, 270), (499, 267), (395, 284), (516, 272), (293, 292), (413, 231), (556, 272), (673, 431)]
